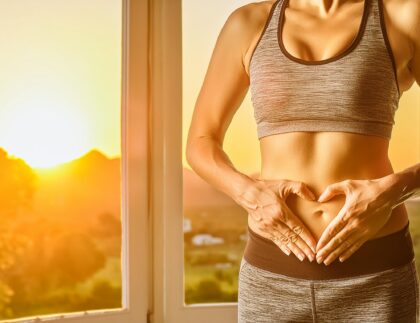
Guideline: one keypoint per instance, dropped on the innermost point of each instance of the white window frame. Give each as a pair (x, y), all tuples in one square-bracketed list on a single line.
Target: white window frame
[(167, 175), (152, 177), (135, 105)]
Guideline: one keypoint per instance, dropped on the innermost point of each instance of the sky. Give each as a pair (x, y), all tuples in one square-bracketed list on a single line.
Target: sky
[(202, 23), (60, 79), (61, 72)]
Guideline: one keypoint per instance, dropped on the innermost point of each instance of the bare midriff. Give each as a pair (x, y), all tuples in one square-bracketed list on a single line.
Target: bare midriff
[(322, 158)]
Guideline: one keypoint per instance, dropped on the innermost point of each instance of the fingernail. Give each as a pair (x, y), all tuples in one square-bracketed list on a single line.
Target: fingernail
[(318, 260), (326, 263), (301, 257), (288, 252), (311, 258)]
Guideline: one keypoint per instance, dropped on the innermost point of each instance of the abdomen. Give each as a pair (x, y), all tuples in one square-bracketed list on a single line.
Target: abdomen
[(322, 158)]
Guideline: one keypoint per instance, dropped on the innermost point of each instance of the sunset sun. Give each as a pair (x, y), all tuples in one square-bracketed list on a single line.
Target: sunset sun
[(45, 136)]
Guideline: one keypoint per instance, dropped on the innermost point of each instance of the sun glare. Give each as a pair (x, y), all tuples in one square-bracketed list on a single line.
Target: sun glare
[(45, 136)]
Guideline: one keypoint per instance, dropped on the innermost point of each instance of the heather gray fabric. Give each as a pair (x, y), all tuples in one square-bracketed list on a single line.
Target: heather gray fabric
[(355, 91), (389, 296)]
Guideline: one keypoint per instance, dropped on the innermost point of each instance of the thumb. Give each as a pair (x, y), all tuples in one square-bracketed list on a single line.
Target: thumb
[(283, 189), (331, 191), (304, 192), (298, 188)]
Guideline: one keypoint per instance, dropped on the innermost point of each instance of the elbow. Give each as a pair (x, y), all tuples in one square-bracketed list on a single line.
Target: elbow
[(194, 151), (197, 148), (191, 149), (190, 154)]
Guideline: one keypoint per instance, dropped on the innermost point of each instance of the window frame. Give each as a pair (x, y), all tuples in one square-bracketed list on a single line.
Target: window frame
[(167, 174), (135, 106)]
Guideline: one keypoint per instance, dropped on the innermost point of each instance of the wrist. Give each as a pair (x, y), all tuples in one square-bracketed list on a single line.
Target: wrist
[(245, 190), (396, 187)]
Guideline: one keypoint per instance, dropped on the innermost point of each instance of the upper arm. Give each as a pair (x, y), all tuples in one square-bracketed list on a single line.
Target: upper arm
[(226, 81), (414, 64)]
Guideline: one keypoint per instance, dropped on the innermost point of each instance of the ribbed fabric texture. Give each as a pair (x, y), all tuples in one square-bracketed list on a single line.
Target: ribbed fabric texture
[(355, 91), (388, 296)]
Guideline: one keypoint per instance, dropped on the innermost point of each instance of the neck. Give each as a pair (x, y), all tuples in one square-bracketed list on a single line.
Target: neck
[(325, 7)]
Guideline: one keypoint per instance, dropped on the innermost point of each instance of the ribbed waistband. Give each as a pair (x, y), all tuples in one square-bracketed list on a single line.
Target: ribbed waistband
[(374, 255)]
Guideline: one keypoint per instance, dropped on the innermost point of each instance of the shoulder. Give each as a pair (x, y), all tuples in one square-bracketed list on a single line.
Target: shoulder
[(404, 15), (245, 22), (253, 12), (403, 10), (243, 27)]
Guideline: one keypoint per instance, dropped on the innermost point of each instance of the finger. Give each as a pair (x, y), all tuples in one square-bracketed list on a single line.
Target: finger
[(284, 188), (284, 231), (346, 244), (332, 190), (302, 190), (276, 240), (352, 249), (279, 236), (338, 238), (296, 225), (293, 239), (276, 237), (333, 228)]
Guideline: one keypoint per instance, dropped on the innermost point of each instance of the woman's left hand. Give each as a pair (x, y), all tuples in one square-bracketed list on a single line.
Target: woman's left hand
[(367, 208)]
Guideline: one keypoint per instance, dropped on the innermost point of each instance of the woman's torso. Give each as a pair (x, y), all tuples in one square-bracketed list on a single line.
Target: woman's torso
[(322, 158)]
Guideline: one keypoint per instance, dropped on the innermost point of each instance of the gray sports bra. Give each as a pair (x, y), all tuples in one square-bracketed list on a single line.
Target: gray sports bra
[(355, 91)]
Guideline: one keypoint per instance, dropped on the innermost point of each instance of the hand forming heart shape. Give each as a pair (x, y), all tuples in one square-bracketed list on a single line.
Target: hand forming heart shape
[(367, 208)]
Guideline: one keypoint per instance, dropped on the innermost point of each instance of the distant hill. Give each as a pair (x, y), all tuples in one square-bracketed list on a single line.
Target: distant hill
[(80, 189)]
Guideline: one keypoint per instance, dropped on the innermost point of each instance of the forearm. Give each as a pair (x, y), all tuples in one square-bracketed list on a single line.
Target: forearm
[(406, 183), (208, 159), (411, 180)]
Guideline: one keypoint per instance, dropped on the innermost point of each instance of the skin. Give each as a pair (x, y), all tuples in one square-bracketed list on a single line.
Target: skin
[(361, 199)]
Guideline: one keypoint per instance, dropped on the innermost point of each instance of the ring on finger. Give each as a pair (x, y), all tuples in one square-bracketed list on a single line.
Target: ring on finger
[(297, 229), (285, 240), (275, 239), (293, 238)]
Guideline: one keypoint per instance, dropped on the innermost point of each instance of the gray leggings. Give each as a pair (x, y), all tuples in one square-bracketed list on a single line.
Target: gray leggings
[(389, 296)]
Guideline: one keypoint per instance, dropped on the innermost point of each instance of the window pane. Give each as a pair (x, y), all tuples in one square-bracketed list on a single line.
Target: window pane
[(214, 225), (215, 231), (60, 227)]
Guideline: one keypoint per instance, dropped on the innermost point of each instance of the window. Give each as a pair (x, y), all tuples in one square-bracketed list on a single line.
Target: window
[(70, 153), (152, 74), (404, 151), (214, 228)]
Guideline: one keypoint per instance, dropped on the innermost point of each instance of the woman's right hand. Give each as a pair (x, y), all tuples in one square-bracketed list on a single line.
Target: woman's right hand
[(265, 202)]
